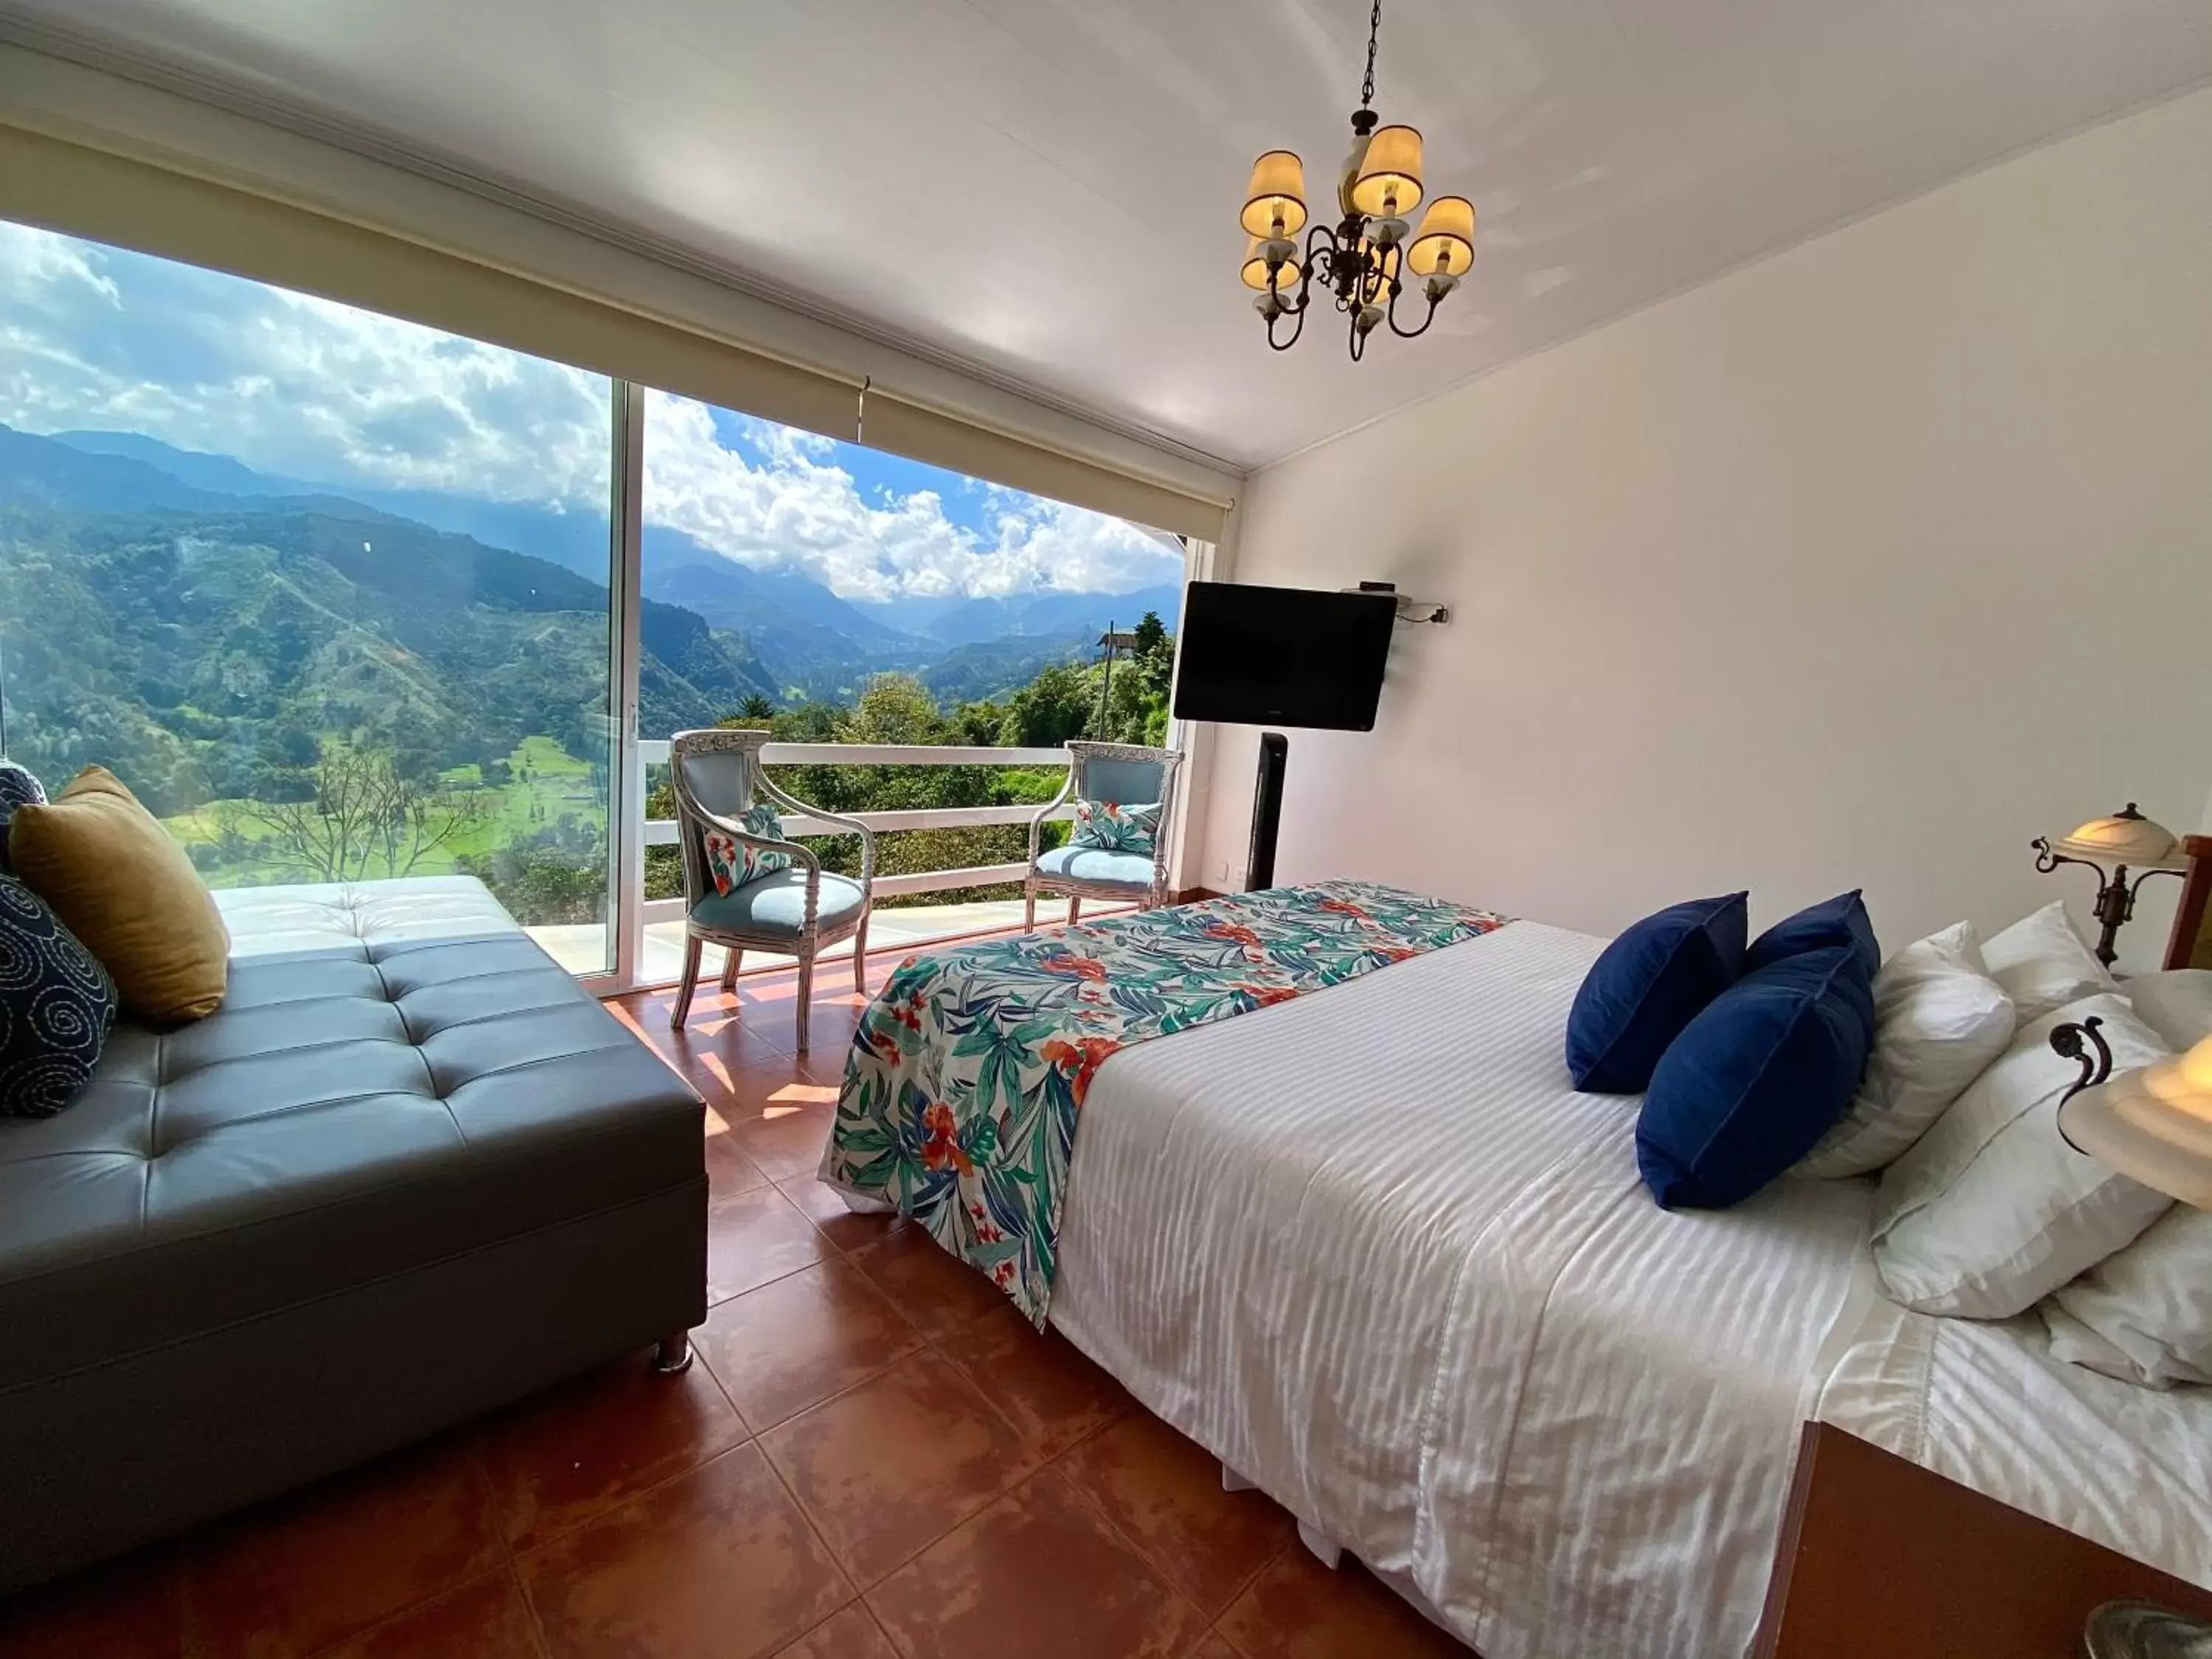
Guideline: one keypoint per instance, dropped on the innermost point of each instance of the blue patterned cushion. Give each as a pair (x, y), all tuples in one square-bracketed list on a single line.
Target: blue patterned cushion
[(56, 1003), (1109, 827), (731, 863), (17, 788)]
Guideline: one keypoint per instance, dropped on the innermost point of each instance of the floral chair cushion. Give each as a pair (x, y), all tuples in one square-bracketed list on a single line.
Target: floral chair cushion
[(1110, 827), (731, 863)]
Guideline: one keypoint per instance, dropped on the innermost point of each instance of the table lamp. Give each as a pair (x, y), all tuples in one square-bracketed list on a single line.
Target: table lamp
[(2126, 841), (2154, 1124)]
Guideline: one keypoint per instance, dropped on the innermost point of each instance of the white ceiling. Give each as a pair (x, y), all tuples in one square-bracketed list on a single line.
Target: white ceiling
[(1047, 189)]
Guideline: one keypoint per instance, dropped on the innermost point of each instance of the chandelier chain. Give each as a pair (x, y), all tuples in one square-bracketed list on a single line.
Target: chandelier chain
[(1374, 29)]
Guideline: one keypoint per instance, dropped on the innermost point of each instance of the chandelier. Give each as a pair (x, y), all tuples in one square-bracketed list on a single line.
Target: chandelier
[(1365, 260)]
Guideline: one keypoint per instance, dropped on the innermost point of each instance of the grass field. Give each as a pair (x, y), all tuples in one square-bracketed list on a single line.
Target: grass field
[(547, 784)]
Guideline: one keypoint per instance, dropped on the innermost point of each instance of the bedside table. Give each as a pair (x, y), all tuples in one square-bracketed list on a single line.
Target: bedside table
[(1880, 1559)]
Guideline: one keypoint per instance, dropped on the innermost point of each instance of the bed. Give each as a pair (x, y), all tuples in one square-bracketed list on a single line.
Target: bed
[(1369, 1248)]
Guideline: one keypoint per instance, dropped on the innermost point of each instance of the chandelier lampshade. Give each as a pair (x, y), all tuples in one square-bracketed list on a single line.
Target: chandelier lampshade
[(1444, 245), (1388, 182), (1255, 265), (1275, 200), (1364, 263)]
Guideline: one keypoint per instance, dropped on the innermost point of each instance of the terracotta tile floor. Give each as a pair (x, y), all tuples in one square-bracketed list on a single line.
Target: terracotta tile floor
[(874, 1456)]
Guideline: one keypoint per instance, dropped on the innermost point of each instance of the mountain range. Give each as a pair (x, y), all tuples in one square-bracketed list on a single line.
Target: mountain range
[(203, 626), (811, 641)]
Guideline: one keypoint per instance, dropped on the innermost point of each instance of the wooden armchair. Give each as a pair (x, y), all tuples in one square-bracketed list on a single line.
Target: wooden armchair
[(795, 906), (1124, 775)]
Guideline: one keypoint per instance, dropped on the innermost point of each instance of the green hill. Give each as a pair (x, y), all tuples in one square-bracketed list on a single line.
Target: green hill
[(202, 644)]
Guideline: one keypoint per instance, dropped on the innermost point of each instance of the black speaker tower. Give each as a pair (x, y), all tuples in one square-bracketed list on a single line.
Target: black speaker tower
[(1266, 811)]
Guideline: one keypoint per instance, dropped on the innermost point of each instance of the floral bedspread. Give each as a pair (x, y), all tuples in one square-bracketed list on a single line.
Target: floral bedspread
[(969, 1070)]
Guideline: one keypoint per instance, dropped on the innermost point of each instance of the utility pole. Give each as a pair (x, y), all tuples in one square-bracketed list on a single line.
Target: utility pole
[(1106, 684), (1110, 643)]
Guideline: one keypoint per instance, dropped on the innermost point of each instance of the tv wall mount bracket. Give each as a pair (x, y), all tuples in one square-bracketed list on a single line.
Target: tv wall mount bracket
[(1409, 610)]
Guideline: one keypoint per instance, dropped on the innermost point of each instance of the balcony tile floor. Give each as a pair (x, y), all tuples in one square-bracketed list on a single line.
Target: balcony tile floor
[(828, 1481), (582, 947)]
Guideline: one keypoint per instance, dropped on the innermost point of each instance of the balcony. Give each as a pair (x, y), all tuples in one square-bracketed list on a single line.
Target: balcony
[(905, 916)]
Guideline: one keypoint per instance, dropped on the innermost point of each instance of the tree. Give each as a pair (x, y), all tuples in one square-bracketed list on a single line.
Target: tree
[(893, 708), (810, 722), (1050, 709), (1138, 712), (978, 724), (554, 876), (755, 709), (365, 819), (1152, 635)]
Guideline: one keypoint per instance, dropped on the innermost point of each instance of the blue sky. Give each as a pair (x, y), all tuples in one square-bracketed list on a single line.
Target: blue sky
[(98, 338)]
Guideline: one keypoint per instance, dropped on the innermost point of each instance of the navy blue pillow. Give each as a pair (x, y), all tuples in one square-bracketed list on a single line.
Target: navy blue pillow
[(1756, 1079), (17, 788), (56, 1003), (1841, 921), (1650, 982)]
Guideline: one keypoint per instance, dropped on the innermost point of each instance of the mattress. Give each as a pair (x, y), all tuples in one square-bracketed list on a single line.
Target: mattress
[(1371, 1251)]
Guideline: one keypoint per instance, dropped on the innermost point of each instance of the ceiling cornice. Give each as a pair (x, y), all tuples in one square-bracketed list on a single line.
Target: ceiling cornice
[(91, 51)]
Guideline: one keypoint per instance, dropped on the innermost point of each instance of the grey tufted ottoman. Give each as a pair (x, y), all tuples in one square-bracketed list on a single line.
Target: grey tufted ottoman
[(407, 1172)]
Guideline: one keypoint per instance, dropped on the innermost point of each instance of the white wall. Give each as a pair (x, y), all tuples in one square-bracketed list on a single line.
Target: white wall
[(1857, 566)]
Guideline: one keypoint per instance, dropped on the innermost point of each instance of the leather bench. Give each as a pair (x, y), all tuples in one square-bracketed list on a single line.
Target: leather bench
[(407, 1172)]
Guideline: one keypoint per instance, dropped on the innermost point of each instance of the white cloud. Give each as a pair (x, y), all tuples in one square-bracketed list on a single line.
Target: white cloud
[(35, 263), (302, 387), (803, 511), (95, 337)]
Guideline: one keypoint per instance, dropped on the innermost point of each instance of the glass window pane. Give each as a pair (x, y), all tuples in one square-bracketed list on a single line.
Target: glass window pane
[(329, 590), (860, 597)]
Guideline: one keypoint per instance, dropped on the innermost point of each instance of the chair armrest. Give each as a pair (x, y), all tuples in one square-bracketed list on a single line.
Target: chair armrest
[(784, 798), (1036, 819)]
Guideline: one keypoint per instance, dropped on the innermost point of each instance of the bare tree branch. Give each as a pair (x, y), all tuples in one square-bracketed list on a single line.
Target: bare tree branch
[(366, 821)]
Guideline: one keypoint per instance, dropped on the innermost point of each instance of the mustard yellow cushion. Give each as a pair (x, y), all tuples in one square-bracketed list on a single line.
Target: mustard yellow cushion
[(124, 888)]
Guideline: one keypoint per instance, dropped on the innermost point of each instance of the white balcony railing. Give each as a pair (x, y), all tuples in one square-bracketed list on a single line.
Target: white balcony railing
[(662, 832)]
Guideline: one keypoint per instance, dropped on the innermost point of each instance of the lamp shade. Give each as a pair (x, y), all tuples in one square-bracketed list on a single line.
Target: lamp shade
[(1444, 245), (1255, 267), (1275, 200), (1388, 184), (2126, 837), (2154, 1124)]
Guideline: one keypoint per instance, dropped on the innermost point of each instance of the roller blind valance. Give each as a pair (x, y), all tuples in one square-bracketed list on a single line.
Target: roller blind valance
[(111, 199), (163, 210), (912, 430)]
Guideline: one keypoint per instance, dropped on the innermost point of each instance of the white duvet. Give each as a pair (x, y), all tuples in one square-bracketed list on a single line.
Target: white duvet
[(1371, 1249)]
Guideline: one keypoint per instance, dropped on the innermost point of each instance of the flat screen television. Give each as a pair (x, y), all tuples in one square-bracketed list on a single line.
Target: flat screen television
[(1283, 656)]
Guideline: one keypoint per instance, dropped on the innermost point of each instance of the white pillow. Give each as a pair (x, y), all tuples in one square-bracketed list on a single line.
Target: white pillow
[(1992, 1211), (1939, 1019), (2043, 964), (2146, 1313), (2176, 1004)]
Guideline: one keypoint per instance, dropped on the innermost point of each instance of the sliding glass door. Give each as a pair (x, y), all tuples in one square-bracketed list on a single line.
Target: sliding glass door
[(344, 598), (334, 594)]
